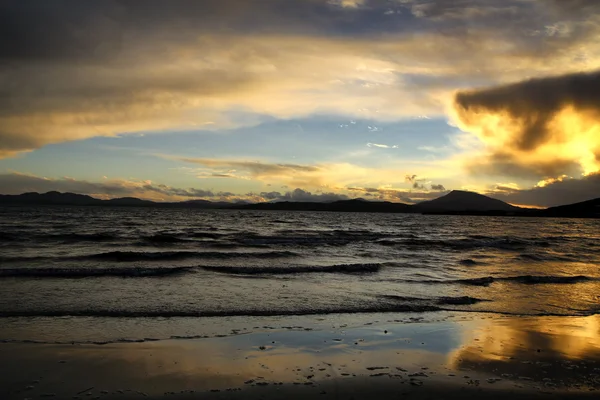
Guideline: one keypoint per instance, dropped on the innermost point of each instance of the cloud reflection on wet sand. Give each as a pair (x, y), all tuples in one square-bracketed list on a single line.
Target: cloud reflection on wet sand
[(529, 355)]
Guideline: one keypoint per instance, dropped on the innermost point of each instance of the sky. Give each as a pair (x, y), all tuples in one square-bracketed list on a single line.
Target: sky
[(307, 100)]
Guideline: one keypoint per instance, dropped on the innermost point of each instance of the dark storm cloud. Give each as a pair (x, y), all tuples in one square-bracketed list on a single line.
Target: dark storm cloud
[(76, 30), (505, 164), (539, 128), (533, 104), (556, 193)]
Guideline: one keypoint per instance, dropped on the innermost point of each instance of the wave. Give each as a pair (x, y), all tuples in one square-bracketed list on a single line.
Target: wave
[(384, 308), (484, 281), (80, 237), (524, 279), (455, 301), (532, 279), (548, 257), (184, 255), (131, 256), (164, 238), (368, 309), (294, 241), (469, 243), (310, 238), (91, 273), (298, 269), (6, 237), (204, 235), (462, 300)]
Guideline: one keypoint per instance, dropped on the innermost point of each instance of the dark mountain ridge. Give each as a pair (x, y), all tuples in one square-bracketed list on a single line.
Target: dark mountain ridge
[(585, 209), (73, 199), (463, 201), (456, 202)]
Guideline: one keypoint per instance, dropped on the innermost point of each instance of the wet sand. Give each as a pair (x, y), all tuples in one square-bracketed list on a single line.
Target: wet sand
[(466, 356)]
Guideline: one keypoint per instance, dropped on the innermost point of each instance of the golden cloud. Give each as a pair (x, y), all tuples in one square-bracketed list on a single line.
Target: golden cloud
[(540, 128), (339, 177)]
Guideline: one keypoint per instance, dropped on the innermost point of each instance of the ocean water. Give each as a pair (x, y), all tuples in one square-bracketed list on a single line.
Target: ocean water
[(108, 273)]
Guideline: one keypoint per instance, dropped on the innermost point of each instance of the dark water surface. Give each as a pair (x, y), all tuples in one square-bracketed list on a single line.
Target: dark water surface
[(132, 265)]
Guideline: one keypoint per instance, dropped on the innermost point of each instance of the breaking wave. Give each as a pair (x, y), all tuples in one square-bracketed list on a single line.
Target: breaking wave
[(130, 256), (80, 237), (524, 279), (298, 269), (91, 273), (469, 243), (455, 301), (372, 308)]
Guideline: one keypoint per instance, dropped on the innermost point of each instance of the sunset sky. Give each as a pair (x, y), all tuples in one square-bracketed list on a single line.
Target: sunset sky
[(399, 100)]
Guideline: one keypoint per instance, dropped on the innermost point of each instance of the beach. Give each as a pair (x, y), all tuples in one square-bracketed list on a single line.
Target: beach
[(413, 356), (100, 303)]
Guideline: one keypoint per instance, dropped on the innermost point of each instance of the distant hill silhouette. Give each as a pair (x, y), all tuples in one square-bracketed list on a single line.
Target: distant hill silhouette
[(49, 198), (72, 199), (456, 202), (585, 209), (355, 205), (462, 201)]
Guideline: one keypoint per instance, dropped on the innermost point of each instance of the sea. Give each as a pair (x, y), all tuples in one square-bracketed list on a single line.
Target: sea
[(98, 274)]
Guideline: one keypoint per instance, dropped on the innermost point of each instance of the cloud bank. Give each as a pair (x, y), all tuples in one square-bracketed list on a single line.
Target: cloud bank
[(73, 69), (538, 128), (17, 183), (547, 194), (557, 192)]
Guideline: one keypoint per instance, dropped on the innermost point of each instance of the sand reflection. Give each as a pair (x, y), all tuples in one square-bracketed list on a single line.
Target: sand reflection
[(549, 352), (552, 350)]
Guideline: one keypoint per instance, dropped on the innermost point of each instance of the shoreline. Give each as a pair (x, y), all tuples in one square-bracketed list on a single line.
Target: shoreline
[(522, 357)]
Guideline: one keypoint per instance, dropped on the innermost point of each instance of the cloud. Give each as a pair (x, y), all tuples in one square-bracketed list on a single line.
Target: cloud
[(409, 196), (383, 146), (17, 183), (410, 178), (292, 174), (330, 176), (348, 3), (434, 149), (72, 70), (303, 196), (256, 168), (550, 193), (421, 184), (537, 128)]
